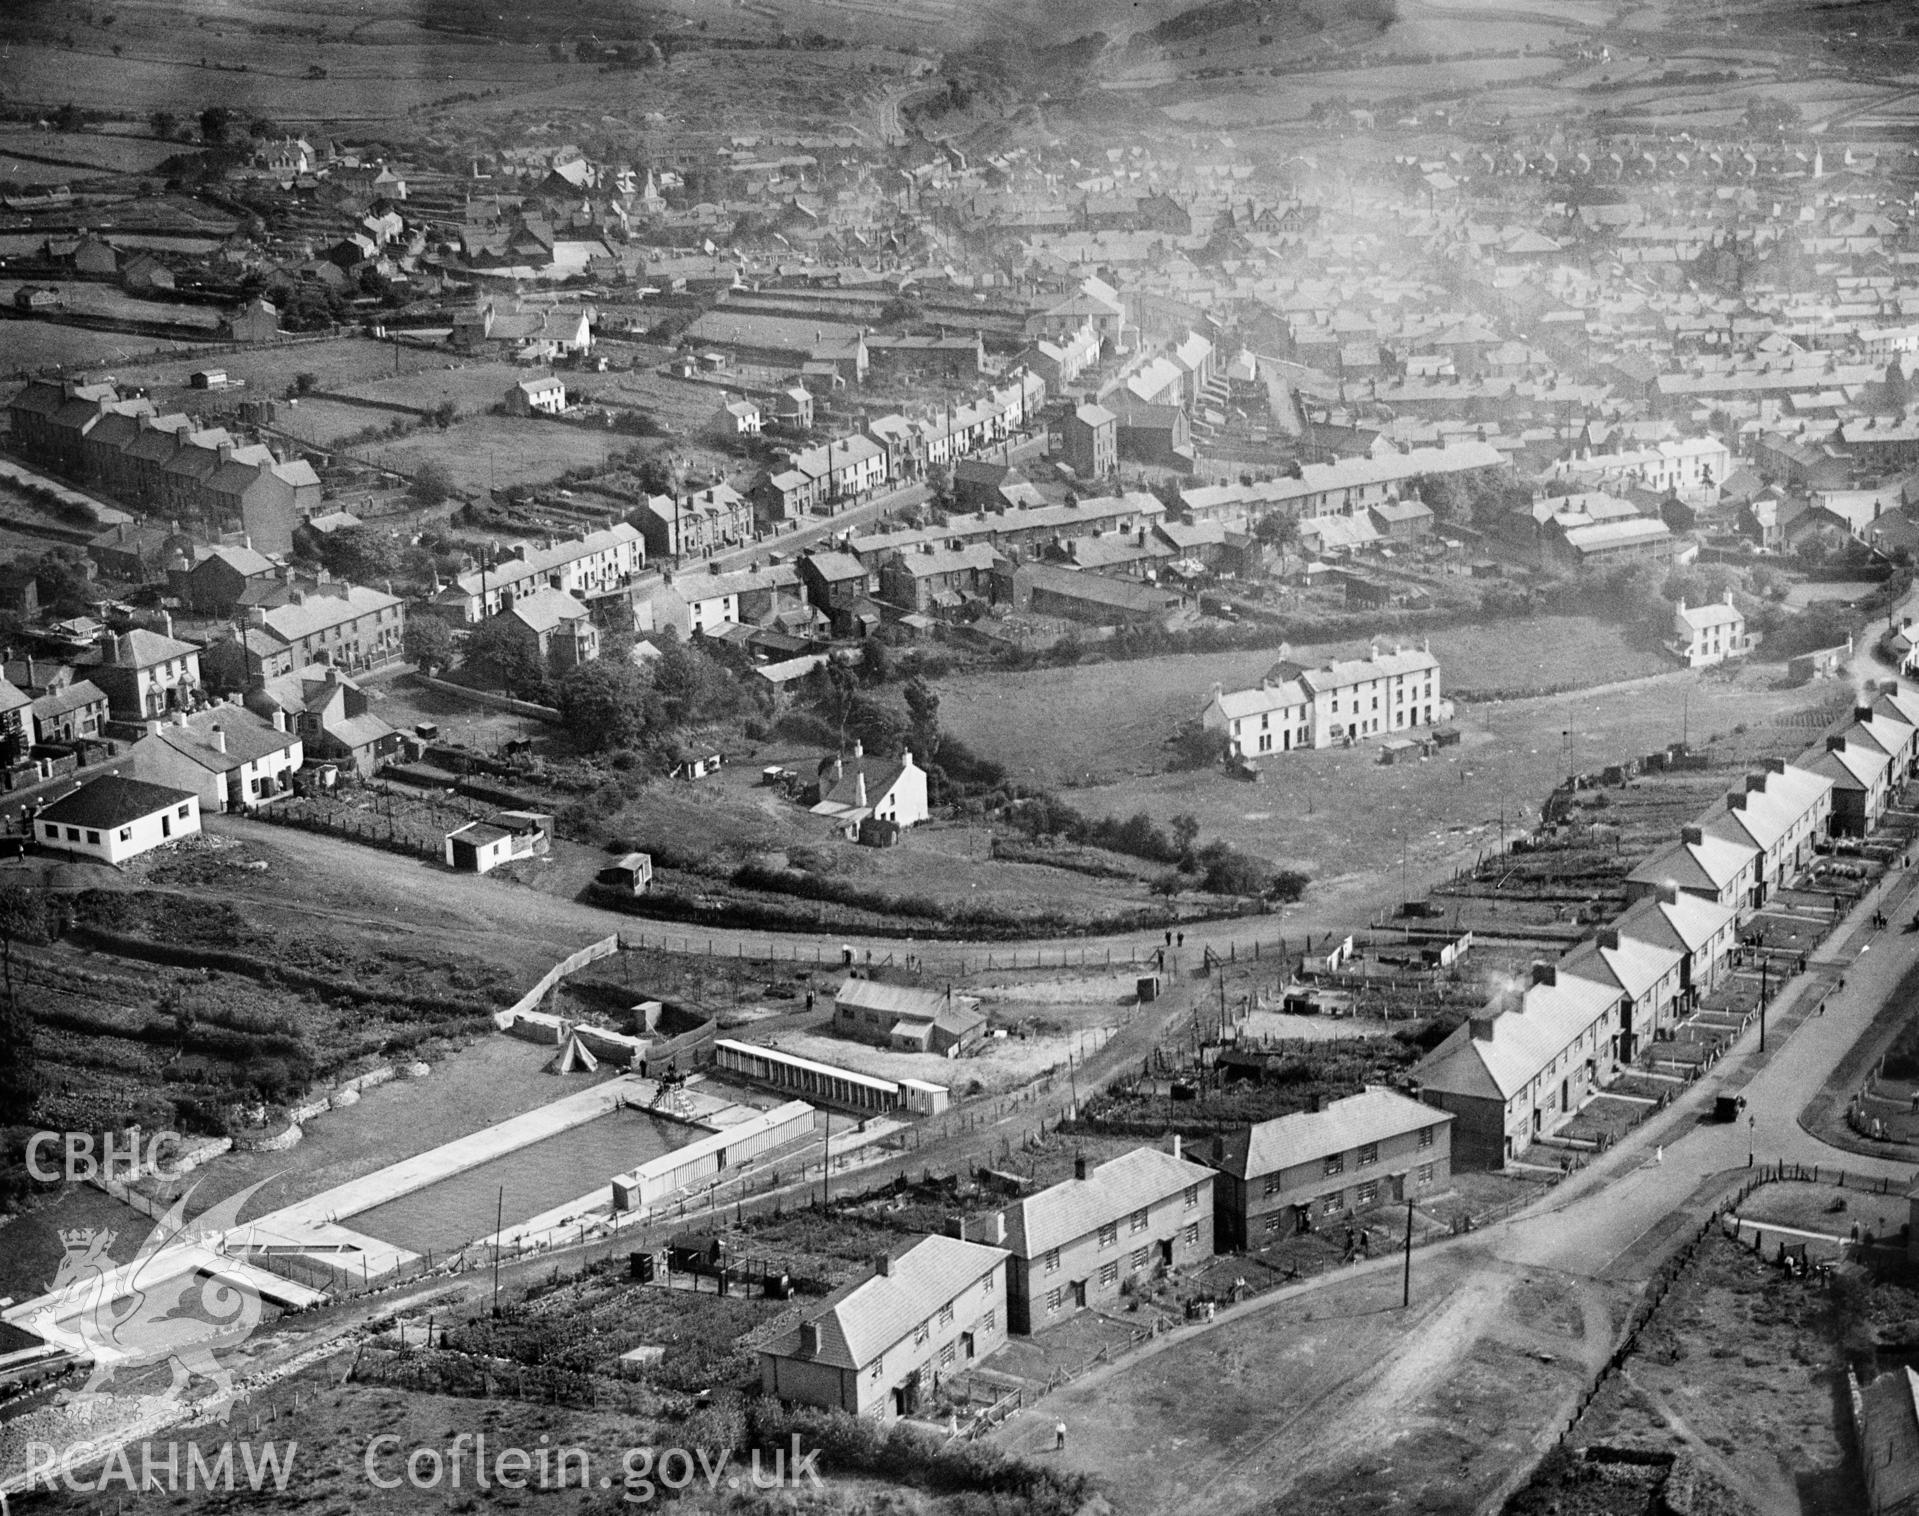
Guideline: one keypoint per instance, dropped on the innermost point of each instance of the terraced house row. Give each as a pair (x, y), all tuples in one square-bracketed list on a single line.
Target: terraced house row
[(168, 465), (1522, 1067)]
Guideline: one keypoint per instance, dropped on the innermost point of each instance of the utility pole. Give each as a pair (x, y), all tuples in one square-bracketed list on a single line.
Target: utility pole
[(1765, 973), (826, 1167), (499, 1211), (1406, 1275)]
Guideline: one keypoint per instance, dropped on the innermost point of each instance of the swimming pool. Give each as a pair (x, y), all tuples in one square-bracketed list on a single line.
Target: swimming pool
[(550, 1172)]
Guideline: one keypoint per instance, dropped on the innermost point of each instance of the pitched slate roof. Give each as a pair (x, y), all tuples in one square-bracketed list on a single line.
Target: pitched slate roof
[(112, 801), (1713, 862), (1373, 1115), (1075, 1207), (859, 1321), (1515, 1043)]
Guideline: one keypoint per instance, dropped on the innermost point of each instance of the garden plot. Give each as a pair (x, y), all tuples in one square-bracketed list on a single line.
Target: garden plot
[(1741, 1370)]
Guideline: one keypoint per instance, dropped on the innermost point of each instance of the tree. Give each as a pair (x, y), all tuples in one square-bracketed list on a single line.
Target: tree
[(163, 125), (428, 643), (923, 706), (606, 704), (263, 128), (431, 483), (23, 918), (360, 554), (502, 646), (215, 121)]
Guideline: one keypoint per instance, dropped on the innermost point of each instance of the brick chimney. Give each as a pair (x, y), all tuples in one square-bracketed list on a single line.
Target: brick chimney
[(1609, 938), (218, 737), (1667, 893), (1692, 835), (1079, 1165), (809, 1339), (883, 1265), (1546, 973)]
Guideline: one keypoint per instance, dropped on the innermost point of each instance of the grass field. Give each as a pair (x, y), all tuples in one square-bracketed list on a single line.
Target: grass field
[(1339, 814), (497, 451), (92, 150), (1064, 726), (106, 300), (26, 347)]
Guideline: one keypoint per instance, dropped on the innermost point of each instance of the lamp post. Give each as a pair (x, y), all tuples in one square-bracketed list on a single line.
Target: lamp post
[(1751, 1123), (1765, 974)]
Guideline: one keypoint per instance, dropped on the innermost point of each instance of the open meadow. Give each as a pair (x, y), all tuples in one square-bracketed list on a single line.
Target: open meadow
[(1082, 724), (1340, 814)]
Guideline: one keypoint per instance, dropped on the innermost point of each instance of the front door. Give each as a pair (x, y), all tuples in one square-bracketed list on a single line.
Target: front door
[(1166, 1252), (966, 1344), (1079, 1294)]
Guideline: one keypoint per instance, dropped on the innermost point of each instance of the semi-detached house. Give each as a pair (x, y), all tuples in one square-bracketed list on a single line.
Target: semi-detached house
[(1297, 1172), (1646, 974), (1703, 932), (1075, 1243), (1722, 870), (879, 1346), (1779, 813), (1521, 1066)]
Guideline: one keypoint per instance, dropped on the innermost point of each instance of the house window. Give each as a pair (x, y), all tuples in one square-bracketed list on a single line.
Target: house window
[(94, 838), (1139, 1258), (1426, 1136), (1192, 1197), (1191, 1235), (1109, 1273), (1330, 1206), (921, 1333), (1367, 1193), (1053, 1297), (1425, 1173), (1109, 1235), (879, 1367), (126, 834), (1139, 1221), (946, 1355), (182, 813), (990, 1320), (946, 1314), (1273, 1222), (1336, 1163), (73, 834), (1272, 1184), (1369, 1154), (1052, 1260)]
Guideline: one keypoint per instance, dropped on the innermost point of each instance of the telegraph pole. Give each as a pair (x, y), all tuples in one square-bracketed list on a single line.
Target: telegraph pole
[(499, 1211), (1406, 1276)]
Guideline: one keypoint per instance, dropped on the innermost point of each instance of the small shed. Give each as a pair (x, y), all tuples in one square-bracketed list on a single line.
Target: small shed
[(632, 873)]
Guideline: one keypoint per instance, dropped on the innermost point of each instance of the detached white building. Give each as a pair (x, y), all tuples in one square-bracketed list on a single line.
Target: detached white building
[(115, 819), (1344, 702), (1707, 634)]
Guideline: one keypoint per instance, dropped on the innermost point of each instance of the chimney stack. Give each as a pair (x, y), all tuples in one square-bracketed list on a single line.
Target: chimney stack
[(809, 1339), (1546, 973), (218, 737), (1693, 836), (1609, 938), (1668, 893), (883, 1265), (1079, 1165)]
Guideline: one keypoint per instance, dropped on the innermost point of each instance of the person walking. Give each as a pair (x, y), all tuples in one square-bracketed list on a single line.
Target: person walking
[(1059, 1437), (1659, 1155)]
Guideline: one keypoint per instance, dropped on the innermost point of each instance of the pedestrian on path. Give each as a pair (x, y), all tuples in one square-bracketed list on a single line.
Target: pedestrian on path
[(1659, 1155), (1059, 1437)]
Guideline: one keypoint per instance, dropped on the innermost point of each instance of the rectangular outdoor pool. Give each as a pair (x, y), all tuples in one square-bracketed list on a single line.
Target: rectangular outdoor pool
[(452, 1212)]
